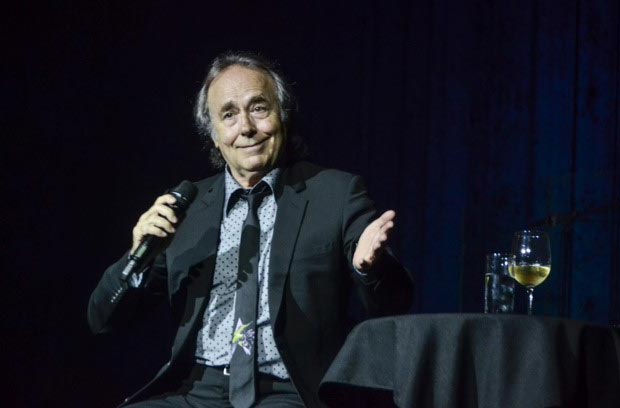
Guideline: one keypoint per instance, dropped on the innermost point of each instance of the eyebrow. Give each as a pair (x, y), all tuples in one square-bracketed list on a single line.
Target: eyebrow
[(227, 106), (232, 105), (257, 99)]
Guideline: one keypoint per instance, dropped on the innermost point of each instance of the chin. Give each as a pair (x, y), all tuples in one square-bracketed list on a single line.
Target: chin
[(257, 164)]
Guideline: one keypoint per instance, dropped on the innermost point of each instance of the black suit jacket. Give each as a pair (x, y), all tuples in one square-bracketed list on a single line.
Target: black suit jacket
[(321, 215)]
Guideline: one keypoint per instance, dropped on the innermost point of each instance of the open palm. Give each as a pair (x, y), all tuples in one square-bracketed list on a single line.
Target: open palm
[(373, 241)]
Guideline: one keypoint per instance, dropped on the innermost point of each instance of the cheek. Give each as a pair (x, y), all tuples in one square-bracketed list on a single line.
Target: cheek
[(269, 125), (224, 136)]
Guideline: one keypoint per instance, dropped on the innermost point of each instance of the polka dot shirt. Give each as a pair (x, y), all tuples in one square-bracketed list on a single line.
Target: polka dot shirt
[(214, 338)]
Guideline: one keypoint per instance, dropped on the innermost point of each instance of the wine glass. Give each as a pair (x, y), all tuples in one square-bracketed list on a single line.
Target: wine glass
[(532, 261)]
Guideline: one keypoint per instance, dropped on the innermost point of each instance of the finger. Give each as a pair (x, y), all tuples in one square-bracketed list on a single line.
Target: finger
[(148, 215), (156, 230), (380, 244), (141, 231), (166, 212), (160, 206), (387, 226), (162, 223), (385, 218), (155, 219), (165, 199), (389, 215), (145, 229), (383, 234)]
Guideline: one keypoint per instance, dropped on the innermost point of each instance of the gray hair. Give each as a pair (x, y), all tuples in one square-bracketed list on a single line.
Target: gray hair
[(296, 148)]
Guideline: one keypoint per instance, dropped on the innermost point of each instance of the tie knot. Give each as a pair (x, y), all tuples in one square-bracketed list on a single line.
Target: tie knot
[(255, 196)]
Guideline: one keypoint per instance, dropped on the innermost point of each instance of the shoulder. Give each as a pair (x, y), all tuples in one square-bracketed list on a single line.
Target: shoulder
[(207, 183), (317, 176), (209, 189)]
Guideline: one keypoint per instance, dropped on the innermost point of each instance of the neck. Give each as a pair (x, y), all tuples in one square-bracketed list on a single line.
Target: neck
[(249, 180)]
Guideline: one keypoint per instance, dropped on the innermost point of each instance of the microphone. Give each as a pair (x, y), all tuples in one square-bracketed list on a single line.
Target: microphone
[(151, 245)]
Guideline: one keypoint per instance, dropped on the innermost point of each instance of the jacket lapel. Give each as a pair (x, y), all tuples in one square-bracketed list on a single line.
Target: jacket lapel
[(291, 208), (194, 259)]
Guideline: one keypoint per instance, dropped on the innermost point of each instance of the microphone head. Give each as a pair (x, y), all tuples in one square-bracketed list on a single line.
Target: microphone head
[(185, 193)]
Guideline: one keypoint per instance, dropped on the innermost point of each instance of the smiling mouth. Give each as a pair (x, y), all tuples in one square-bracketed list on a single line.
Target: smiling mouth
[(254, 145)]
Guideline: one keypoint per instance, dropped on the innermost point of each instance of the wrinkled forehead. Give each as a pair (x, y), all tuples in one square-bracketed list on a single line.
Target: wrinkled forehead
[(236, 83)]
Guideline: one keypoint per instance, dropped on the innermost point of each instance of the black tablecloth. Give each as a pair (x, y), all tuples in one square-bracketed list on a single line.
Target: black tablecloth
[(476, 360)]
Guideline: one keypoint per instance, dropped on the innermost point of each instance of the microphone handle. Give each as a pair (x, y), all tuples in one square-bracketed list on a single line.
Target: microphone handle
[(145, 252)]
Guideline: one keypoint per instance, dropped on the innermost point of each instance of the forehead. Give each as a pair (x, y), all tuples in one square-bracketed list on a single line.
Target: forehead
[(237, 83)]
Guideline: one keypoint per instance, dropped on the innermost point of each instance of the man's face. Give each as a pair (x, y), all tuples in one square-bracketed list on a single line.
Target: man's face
[(244, 111)]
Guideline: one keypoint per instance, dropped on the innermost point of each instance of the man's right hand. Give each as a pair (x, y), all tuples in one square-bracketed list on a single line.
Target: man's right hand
[(159, 220)]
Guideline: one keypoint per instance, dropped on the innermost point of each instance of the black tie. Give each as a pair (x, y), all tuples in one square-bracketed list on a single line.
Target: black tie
[(243, 365)]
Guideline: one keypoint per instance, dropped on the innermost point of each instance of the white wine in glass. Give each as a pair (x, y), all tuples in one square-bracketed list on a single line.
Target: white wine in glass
[(532, 261), (530, 275)]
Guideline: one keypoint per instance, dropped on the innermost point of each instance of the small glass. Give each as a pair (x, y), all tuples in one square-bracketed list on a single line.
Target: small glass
[(499, 287)]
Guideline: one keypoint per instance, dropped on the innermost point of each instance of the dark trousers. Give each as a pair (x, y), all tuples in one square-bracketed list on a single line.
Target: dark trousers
[(207, 387)]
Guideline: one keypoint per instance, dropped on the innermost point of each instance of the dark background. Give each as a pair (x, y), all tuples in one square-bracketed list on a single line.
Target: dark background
[(471, 119)]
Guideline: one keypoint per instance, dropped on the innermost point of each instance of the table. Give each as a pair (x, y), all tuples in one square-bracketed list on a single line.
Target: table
[(475, 360)]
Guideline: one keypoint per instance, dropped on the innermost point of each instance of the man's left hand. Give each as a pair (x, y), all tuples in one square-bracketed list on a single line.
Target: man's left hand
[(373, 241)]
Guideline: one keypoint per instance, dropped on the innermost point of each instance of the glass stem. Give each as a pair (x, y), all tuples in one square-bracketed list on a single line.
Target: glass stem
[(530, 300)]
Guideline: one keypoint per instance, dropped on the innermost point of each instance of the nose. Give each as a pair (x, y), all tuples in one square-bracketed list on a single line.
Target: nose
[(248, 129)]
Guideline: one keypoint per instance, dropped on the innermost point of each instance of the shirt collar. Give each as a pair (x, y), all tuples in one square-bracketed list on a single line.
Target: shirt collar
[(231, 185)]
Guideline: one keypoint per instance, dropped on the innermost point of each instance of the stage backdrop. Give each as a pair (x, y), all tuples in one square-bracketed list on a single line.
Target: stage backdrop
[(472, 119)]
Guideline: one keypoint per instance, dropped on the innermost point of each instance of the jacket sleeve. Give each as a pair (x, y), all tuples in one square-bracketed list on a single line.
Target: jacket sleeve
[(386, 289), (114, 305)]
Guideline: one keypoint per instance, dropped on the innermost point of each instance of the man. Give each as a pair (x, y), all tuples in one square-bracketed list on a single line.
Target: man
[(316, 237)]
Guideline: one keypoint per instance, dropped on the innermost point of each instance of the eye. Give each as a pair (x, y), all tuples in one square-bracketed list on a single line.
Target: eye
[(260, 111), (227, 115)]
